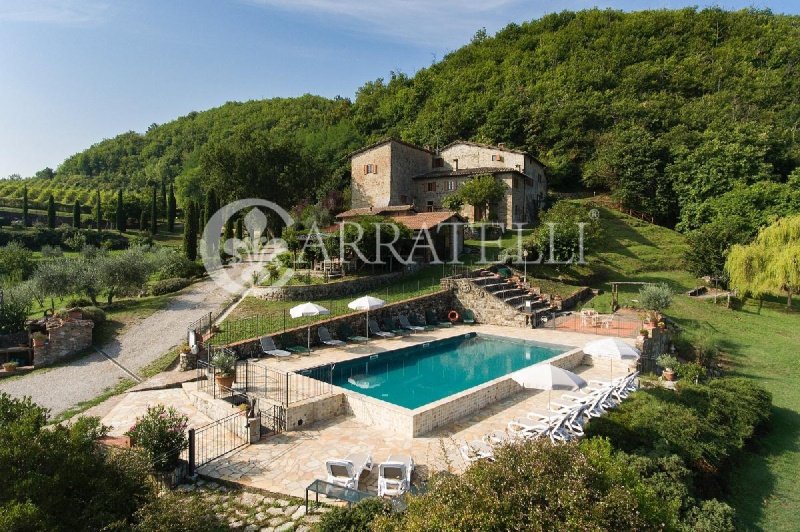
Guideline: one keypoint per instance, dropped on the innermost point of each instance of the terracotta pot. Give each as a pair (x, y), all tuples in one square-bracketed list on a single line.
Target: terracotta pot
[(225, 382), (668, 375)]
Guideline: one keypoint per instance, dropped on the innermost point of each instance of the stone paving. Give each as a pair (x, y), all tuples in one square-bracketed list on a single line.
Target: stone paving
[(289, 462), (123, 415)]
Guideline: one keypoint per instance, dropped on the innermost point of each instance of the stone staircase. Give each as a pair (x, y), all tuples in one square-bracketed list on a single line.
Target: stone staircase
[(516, 295)]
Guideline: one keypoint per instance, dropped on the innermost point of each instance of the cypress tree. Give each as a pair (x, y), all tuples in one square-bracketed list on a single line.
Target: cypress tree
[(143, 221), (163, 199), (51, 212), (154, 212), (190, 230), (211, 206), (97, 213), (25, 207), (76, 215), (228, 229), (171, 209), (240, 228), (121, 219)]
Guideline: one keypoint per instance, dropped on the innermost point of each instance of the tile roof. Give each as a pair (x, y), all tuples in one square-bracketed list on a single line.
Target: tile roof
[(384, 141), (427, 220), (469, 171), (492, 147), (377, 211)]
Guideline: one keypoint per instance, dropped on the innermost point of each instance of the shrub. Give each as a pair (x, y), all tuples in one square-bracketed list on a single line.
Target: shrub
[(170, 265), (16, 262), (96, 314), (667, 361), (711, 516), (173, 512), (50, 252), (160, 432), (74, 302), (13, 314), (655, 297), (167, 286), (355, 518), (691, 372), (225, 363)]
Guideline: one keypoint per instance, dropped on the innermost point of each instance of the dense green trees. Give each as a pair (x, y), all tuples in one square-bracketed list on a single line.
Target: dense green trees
[(482, 192)]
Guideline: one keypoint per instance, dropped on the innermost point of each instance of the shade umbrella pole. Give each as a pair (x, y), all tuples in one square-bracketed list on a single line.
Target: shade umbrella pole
[(309, 338)]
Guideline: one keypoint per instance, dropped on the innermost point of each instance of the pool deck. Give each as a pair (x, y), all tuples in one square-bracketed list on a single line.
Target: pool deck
[(288, 462)]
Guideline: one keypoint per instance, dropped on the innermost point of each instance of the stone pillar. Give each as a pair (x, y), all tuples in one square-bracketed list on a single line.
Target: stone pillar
[(254, 424)]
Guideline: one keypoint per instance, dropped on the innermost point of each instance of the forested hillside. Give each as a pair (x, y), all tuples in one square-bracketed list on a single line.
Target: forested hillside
[(688, 115)]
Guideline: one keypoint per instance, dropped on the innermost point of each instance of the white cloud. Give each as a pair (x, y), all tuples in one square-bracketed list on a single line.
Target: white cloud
[(437, 22), (63, 12)]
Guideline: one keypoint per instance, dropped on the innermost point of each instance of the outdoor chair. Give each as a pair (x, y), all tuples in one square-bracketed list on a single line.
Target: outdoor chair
[(346, 472), (417, 322), (346, 332), (376, 331), (394, 475), (476, 450), (295, 348), (405, 324), (326, 338), (388, 324), (468, 317), (430, 317), (268, 347)]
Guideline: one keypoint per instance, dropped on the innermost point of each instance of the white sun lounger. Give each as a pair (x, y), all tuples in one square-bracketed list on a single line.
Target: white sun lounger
[(268, 347), (346, 472), (476, 450), (394, 475)]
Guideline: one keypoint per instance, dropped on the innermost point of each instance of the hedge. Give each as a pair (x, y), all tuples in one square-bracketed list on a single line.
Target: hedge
[(167, 286), (37, 237)]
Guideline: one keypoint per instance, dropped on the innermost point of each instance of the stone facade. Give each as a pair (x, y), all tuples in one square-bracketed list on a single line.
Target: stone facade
[(397, 173), (65, 338), (654, 344)]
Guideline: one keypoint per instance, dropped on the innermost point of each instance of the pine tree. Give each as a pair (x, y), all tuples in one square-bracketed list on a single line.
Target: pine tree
[(97, 212), (25, 220), (190, 230), (51, 212), (76, 215), (154, 212), (121, 219), (171, 207)]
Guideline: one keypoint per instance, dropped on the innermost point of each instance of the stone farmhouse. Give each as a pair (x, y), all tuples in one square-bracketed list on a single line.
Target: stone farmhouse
[(400, 176)]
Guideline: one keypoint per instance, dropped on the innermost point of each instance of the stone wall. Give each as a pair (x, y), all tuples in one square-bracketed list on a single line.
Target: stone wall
[(655, 344), (330, 290), (65, 338), (572, 300), (487, 308), (440, 302), (373, 189)]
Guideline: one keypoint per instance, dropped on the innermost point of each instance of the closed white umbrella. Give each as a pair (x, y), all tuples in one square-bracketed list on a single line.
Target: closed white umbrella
[(548, 377), (612, 349), (308, 309), (366, 303)]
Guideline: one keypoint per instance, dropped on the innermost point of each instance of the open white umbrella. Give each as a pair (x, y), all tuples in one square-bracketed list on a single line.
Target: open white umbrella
[(612, 349), (548, 377), (366, 303), (308, 309)]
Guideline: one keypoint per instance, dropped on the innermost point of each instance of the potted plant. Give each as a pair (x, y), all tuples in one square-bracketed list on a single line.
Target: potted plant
[(11, 366), (224, 363), (39, 339), (668, 363), (644, 332)]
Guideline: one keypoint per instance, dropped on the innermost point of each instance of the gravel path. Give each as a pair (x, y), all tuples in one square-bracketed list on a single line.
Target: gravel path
[(84, 379)]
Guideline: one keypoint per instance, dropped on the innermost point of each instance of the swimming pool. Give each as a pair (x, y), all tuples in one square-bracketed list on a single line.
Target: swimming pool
[(415, 376)]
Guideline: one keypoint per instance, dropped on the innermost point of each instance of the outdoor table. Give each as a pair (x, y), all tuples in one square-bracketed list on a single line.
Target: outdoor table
[(335, 492)]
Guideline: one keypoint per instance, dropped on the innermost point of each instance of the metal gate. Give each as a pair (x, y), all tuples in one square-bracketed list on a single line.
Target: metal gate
[(216, 439), (273, 420)]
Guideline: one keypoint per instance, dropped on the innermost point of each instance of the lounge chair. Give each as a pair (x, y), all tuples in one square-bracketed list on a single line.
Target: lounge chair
[(430, 317), (526, 428), (497, 437), (476, 450), (405, 324), (388, 324), (346, 472), (346, 332), (468, 317), (326, 338), (295, 348), (376, 331), (418, 322), (268, 347), (394, 475)]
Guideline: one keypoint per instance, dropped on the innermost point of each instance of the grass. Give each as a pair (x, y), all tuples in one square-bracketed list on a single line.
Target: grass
[(161, 364)]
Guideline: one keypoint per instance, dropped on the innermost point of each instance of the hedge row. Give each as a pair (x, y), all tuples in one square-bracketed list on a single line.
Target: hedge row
[(37, 237)]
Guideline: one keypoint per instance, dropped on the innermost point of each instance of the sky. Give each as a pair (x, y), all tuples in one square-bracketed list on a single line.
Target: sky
[(73, 72)]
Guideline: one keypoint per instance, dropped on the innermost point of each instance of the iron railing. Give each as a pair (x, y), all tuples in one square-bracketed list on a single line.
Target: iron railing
[(285, 387), (273, 419), (216, 439), (203, 324)]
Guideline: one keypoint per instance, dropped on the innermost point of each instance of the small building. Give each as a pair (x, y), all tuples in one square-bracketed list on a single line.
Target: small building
[(395, 174)]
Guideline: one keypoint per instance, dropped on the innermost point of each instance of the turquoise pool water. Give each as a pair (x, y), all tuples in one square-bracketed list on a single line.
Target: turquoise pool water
[(415, 376)]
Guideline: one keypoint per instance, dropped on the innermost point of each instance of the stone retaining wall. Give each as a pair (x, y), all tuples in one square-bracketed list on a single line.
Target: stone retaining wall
[(440, 302), (65, 338), (572, 300), (486, 307), (331, 290)]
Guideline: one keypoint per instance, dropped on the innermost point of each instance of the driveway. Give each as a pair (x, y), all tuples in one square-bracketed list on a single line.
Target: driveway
[(63, 387)]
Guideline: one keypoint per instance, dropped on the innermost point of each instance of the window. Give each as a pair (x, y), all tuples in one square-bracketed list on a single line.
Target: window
[(451, 185), (429, 206), (497, 157), (455, 164), (519, 168), (438, 162), (370, 168), (403, 199), (432, 186)]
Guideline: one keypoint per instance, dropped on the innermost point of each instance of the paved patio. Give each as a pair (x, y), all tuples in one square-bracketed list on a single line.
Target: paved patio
[(134, 404), (288, 462)]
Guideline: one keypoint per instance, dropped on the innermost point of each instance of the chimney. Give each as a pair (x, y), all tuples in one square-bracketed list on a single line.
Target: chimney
[(501, 145)]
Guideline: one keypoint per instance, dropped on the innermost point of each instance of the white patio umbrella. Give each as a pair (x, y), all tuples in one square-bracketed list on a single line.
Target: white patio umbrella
[(612, 349), (308, 309), (548, 377), (366, 303)]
